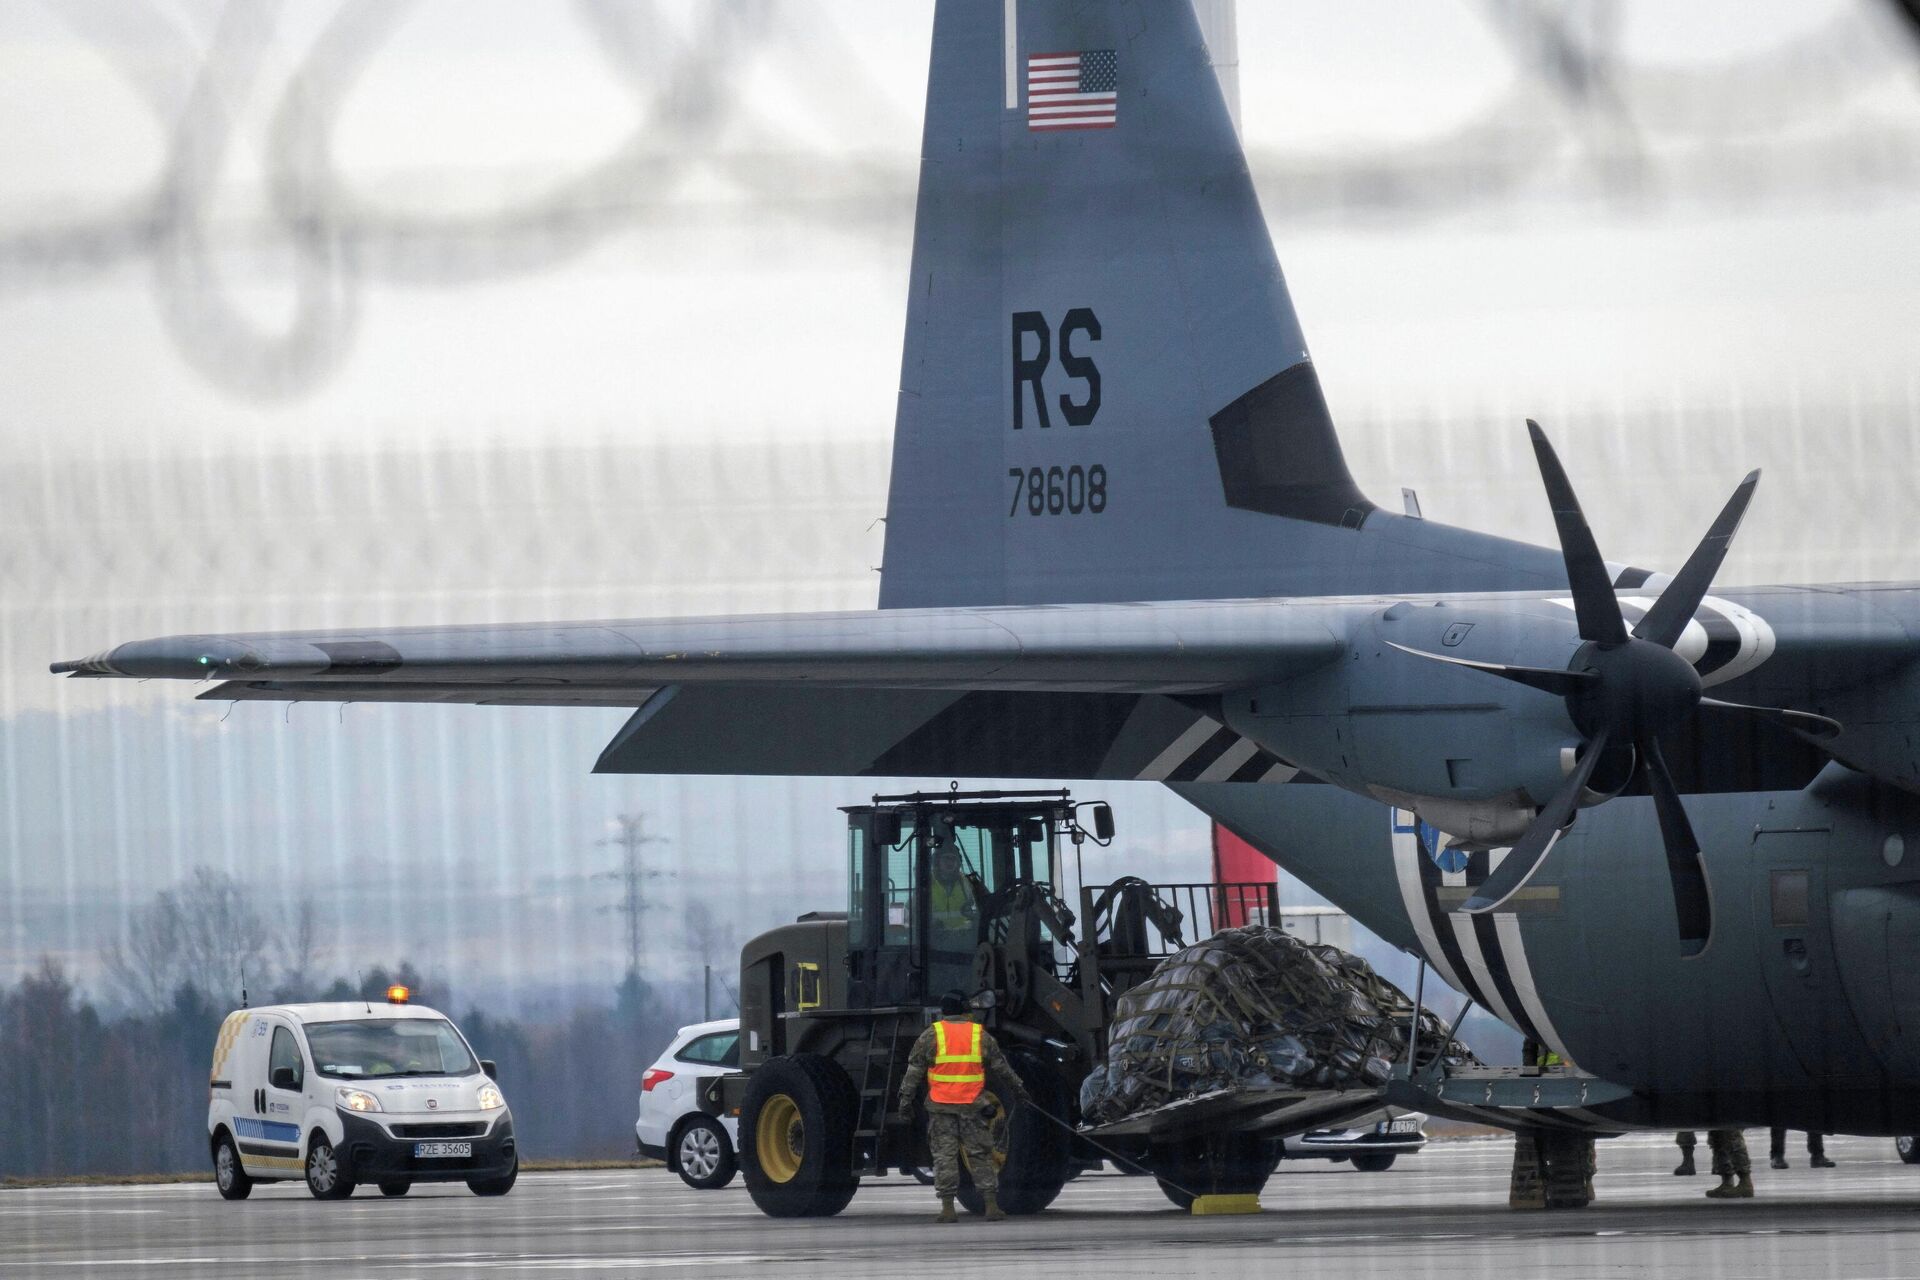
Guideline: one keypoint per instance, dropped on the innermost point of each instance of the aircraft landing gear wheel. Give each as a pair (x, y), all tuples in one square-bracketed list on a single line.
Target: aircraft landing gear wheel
[(1038, 1151), (1908, 1148), (1222, 1164), (327, 1175), (393, 1188), (1373, 1161), (796, 1137), (231, 1180)]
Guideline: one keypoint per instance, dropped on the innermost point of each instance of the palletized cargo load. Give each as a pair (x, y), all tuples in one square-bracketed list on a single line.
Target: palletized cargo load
[(1255, 1014)]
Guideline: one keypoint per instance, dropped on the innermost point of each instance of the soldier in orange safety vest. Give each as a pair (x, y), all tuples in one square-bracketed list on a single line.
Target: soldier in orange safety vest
[(955, 1057)]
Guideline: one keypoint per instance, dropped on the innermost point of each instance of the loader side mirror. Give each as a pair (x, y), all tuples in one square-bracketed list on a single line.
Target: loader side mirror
[(1033, 832), (885, 829), (1102, 823)]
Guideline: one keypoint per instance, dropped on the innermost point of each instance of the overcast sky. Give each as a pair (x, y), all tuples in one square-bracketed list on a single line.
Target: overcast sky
[(408, 313)]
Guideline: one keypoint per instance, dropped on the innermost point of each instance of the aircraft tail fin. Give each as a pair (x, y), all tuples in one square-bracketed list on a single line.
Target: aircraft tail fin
[(1103, 374)]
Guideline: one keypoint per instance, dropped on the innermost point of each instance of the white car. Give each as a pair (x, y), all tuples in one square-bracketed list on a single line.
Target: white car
[(672, 1127)]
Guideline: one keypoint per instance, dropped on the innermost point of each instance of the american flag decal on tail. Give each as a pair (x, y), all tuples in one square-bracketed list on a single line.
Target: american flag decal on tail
[(1073, 90)]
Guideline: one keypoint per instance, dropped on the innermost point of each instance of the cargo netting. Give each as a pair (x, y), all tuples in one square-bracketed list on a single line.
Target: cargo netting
[(1256, 1008)]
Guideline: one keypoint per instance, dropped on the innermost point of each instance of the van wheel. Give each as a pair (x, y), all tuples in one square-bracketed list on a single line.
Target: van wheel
[(495, 1186), (228, 1176), (796, 1137), (395, 1187), (703, 1155), (327, 1175)]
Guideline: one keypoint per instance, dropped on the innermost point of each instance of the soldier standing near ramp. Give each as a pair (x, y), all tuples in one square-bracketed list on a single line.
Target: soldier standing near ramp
[(955, 1056), (1730, 1162), (1729, 1147)]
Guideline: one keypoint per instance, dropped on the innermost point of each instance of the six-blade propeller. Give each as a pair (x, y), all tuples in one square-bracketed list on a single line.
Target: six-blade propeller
[(1624, 689)]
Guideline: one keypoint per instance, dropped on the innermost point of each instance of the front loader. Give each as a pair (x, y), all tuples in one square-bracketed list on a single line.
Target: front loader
[(831, 1004)]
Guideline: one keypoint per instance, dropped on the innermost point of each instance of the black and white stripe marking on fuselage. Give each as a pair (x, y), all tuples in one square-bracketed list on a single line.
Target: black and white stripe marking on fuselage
[(1483, 957)]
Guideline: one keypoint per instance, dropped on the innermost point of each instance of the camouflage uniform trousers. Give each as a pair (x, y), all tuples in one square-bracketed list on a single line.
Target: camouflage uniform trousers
[(950, 1131), (1729, 1147)]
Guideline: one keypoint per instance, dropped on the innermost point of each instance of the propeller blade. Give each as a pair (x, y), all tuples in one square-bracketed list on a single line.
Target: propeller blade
[(1525, 857), (1547, 679), (1692, 901), (1807, 724), (1674, 609), (1594, 604), (1815, 728)]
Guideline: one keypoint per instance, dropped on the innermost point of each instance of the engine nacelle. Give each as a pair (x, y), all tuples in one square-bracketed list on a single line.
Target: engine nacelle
[(1473, 754)]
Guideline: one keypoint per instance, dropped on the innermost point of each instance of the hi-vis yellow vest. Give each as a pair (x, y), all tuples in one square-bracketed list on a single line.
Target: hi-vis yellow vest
[(951, 904), (959, 1070)]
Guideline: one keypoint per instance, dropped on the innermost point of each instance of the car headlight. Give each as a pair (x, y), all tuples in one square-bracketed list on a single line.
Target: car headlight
[(490, 1099), (356, 1099)]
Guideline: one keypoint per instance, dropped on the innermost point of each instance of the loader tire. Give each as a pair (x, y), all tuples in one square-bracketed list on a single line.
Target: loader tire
[(796, 1137)]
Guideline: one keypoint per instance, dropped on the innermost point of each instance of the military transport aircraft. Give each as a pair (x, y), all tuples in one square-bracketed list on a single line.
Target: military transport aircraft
[(1122, 542)]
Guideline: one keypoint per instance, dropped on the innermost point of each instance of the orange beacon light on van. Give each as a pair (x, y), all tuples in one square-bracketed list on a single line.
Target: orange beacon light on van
[(397, 994)]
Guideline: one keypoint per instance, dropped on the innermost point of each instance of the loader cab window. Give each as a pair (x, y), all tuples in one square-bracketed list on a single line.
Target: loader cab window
[(857, 882), (960, 883), (880, 884), (899, 922), (883, 910)]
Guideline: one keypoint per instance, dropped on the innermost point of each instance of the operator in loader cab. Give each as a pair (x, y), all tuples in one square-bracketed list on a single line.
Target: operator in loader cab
[(954, 909), (955, 1056)]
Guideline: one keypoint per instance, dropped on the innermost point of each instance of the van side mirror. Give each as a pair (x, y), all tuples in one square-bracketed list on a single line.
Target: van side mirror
[(283, 1078), (1103, 822), (886, 829), (491, 1067)]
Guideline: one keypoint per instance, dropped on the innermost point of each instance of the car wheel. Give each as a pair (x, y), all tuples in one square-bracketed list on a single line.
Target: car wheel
[(228, 1176), (703, 1155), (394, 1187), (495, 1186), (1373, 1161), (327, 1175), (1908, 1148)]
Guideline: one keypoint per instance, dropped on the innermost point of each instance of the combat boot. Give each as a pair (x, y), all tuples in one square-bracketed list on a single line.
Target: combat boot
[(1820, 1162), (1732, 1187), (946, 1210), (1686, 1169), (994, 1212)]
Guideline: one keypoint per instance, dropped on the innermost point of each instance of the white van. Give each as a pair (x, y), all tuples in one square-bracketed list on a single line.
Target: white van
[(354, 1092)]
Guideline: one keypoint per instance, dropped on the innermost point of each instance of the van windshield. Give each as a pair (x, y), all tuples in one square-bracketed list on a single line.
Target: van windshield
[(377, 1047)]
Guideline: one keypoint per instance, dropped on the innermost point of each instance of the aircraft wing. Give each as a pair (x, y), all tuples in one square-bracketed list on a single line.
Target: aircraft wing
[(1067, 691)]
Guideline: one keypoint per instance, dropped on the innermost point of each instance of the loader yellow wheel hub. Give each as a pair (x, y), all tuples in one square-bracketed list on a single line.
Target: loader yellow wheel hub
[(780, 1138)]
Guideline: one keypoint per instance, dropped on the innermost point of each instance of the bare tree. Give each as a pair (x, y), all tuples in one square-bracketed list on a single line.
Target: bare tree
[(299, 948), (713, 944), (204, 933)]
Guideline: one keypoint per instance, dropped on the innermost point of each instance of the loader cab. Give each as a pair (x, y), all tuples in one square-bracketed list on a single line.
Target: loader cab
[(931, 877)]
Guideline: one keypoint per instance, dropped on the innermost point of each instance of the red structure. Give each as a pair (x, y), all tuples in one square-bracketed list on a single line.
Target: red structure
[(1237, 862)]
